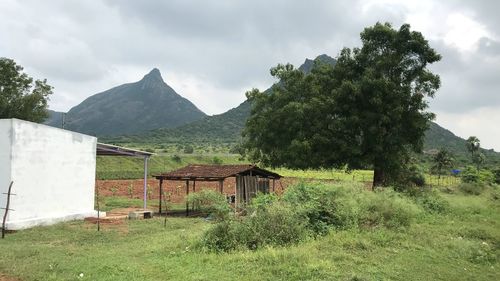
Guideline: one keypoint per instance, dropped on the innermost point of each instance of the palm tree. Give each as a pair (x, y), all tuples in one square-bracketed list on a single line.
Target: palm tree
[(473, 146), (442, 160)]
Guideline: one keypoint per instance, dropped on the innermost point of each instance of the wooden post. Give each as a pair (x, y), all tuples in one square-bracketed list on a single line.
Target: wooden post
[(274, 181), (187, 193), (98, 207), (6, 209), (161, 192), (194, 190), (221, 186)]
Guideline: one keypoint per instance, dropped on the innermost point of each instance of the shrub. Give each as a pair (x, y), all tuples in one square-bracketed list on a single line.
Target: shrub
[(211, 203), (387, 208), (188, 149), (432, 202), (470, 175), (496, 174), (277, 225), (216, 160), (176, 158), (262, 200), (472, 188), (308, 210)]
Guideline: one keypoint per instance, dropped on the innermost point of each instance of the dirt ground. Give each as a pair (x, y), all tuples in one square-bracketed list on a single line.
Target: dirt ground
[(176, 189)]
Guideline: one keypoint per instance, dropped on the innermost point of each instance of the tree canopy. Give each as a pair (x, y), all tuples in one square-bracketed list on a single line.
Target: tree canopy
[(367, 111), (20, 96)]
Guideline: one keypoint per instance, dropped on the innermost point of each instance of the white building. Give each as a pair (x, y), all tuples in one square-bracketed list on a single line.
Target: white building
[(52, 170)]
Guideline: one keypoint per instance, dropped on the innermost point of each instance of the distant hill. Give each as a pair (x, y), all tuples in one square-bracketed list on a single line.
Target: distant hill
[(132, 108), (55, 119)]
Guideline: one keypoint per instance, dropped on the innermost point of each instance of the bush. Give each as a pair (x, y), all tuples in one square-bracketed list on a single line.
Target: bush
[(387, 208), (307, 210), (470, 175), (472, 188), (188, 149), (176, 158), (216, 160), (210, 203), (429, 200), (496, 174), (277, 225)]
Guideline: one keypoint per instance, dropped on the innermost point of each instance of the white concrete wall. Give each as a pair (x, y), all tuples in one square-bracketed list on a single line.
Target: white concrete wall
[(53, 172), (5, 149)]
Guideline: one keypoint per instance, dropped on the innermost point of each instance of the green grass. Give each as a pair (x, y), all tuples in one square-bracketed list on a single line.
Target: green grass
[(116, 167), (461, 244)]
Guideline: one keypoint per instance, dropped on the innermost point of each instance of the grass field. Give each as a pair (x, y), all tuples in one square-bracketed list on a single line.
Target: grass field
[(461, 244)]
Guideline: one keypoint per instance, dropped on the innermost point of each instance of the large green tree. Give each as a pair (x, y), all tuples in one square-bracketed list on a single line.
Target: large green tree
[(21, 96), (369, 110)]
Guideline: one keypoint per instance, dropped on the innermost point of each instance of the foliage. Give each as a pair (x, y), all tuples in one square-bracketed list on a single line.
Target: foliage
[(472, 188), (473, 175), (473, 145), (442, 160), (496, 174), (430, 200), (210, 202), (188, 149), (367, 110), (411, 175), (20, 96), (310, 210), (278, 224), (176, 158), (216, 160), (459, 245)]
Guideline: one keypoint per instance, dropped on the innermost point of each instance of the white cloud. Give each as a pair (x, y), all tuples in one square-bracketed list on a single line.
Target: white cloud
[(481, 122), (212, 52)]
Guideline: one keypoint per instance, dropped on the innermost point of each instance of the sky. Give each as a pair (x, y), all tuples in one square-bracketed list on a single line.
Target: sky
[(212, 52)]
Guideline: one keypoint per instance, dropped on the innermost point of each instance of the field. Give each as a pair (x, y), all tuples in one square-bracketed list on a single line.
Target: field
[(461, 244)]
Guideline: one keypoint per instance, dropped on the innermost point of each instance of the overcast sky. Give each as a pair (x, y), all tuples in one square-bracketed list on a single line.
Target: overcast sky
[(211, 52)]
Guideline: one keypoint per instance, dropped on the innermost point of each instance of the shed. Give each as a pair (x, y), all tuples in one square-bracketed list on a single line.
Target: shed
[(250, 180)]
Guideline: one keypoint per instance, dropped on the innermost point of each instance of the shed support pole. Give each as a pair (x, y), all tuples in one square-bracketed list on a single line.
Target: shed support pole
[(146, 158), (274, 181), (221, 186), (161, 191), (187, 193)]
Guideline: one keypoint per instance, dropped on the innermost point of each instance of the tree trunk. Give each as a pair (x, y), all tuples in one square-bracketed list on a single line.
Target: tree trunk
[(378, 177)]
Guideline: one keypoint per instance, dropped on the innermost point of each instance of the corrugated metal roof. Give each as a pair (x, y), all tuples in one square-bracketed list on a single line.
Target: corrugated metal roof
[(113, 150), (215, 172)]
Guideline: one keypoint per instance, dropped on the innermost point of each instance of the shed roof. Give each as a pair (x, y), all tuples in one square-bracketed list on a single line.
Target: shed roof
[(215, 172), (113, 150)]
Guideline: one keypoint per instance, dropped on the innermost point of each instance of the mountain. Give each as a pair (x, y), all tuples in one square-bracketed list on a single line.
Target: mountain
[(55, 118), (225, 127), (133, 108)]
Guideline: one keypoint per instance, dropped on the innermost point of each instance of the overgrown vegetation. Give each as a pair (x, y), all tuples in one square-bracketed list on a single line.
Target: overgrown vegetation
[(209, 203), (310, 210), (460, 243)]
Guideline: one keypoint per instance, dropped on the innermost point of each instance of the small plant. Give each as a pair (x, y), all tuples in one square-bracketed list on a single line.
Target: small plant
[(216, 160), (114, 190), (130, 190), (149, 192), (211, 203), (176, 158)]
